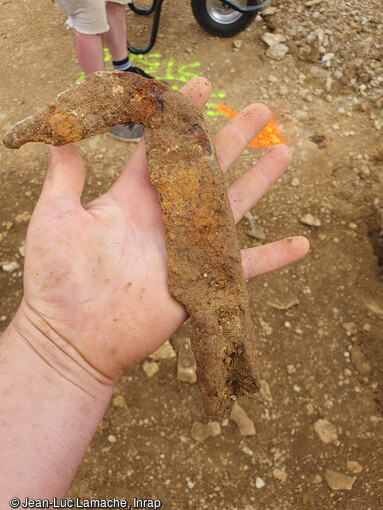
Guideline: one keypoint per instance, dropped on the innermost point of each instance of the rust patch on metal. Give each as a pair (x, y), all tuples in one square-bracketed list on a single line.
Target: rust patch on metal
[(205, 272)]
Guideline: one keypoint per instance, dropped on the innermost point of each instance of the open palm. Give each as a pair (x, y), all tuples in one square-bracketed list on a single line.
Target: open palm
[(96, 275)]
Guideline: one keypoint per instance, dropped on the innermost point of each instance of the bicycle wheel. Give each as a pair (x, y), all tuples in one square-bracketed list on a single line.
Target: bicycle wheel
[(218, 19)]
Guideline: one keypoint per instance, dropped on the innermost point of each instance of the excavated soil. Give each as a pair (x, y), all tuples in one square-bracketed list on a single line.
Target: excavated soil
[(318, 321)]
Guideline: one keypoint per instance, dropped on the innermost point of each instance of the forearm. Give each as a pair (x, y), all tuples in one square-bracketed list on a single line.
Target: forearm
[(50, 407)]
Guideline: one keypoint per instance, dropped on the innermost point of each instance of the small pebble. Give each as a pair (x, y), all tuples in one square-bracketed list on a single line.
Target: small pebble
[(327, 57), (338, 481), (280, 475), (265, 391), (273, 38), (186, 365), (22, 249), (354, 467), (277, 52), (350, 328), (244, 423), (150, 368), (119, 401), (166, 351), (104, 424), (201, 431), (328, 84), (270, 11), (308, 219), (23, 217), (326, 431), (9, 267), (317, 479), (248, 451), (310, 408), (259, 483), (359, 361)]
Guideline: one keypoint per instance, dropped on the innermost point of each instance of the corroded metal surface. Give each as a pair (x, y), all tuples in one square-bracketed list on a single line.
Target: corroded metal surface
[(205, 272)]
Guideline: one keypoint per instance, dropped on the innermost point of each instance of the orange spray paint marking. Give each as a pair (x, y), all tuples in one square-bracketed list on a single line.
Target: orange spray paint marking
[(222, 108), (270, 135)]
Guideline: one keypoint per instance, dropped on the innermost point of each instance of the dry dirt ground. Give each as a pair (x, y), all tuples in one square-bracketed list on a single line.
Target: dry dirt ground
[(318, 321)]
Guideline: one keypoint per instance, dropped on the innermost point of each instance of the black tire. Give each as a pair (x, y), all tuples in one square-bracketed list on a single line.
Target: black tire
[(217, 19)]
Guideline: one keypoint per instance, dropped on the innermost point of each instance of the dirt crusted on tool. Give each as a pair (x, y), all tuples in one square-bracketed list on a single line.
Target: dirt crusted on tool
[(205, 272), (88, 108)]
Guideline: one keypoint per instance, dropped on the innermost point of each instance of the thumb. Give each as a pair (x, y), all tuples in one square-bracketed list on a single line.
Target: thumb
[(65, 178)]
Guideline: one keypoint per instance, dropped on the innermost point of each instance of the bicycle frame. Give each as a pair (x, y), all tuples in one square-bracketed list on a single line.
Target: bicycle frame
[(156, 8)]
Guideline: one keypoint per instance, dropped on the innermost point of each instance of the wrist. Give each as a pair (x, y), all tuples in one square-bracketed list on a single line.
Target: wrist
[(51, 404), (43, 351)]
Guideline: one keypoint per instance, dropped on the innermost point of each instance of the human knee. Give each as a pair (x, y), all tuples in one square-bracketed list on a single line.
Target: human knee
[(85, 16)]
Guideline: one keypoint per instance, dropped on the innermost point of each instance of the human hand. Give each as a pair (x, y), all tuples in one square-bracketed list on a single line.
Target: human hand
[(96, 275)]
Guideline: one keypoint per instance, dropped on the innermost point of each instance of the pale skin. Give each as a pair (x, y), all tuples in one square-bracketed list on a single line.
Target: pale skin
[(89, 47), (96, 301)]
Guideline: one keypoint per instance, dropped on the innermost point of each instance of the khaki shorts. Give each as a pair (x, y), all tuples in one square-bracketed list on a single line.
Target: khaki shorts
[(87, 16)]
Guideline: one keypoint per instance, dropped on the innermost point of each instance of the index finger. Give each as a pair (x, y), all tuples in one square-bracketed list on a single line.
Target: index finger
[(233, 139)]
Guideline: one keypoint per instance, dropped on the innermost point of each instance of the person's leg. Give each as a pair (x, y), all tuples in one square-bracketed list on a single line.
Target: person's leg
[(115, 37), (95, 21), (115, 40), (88, 20), (89, 51)]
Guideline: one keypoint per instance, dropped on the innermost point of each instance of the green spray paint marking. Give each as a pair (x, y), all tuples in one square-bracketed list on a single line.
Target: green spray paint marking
[(107, 55), (169, 71), (212, 107)]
